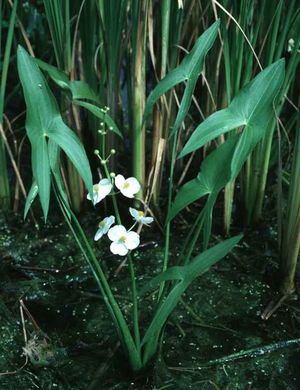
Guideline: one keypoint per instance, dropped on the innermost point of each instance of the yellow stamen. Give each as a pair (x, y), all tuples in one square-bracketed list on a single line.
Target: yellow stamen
[(101, 224), (126, 185), (122, 239)]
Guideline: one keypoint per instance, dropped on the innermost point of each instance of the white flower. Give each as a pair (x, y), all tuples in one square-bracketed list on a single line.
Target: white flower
[(104, 226), (128, 187), (122, 240), (100, 190), (139, 216)]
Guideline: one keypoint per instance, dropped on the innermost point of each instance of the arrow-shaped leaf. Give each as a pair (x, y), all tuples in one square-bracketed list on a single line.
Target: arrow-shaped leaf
[(79, 89), (188, 71), (43, 122), (251, 108), (215, 173)]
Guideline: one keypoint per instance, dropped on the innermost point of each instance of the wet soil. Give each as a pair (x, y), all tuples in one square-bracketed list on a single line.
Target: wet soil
[(214, 340)]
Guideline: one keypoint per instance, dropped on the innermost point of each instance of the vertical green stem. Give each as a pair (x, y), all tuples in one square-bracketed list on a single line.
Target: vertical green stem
[(4, 183), (136, 328), (168, 225), (139, 10), (291, 232), (114, 309)]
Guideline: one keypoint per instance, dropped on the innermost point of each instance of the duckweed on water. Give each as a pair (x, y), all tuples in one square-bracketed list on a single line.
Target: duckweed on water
[(214, 340)]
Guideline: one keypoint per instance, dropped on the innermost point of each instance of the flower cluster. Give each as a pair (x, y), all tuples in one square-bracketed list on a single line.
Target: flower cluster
[(128, 187), (123, 240)]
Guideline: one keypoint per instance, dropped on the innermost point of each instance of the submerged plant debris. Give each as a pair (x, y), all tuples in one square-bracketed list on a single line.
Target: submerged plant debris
[(214, 340)]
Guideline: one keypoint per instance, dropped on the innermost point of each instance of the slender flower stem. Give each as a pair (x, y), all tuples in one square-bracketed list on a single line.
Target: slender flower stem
[(131, 268), (114, 309), (168, 225), (136, 329)]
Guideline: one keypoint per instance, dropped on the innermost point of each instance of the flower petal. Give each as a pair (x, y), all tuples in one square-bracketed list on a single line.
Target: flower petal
[(134, 213), (118, 248), (127, 192), (134, 185), (104, 182), (132, 240), (108, 222), (147, 220), (104, 188), (116, 232), (97, 197), (119, 181), (98, 234)]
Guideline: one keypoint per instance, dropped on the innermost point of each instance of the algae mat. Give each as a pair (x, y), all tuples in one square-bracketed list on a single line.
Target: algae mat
[(214, 340)]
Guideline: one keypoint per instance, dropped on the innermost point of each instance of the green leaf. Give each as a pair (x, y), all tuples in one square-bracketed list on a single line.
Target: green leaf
[(79, 89), (173, 273), (30, 198), (188, 71), (54, 159), (187, 274), (60, 133), (101, 114), (57, 75), (41, 171), (44, 121), (215, 173), (251, 108)]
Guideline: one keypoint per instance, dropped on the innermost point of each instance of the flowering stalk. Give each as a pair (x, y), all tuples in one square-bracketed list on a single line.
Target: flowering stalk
[(111, 303), (130, 262)]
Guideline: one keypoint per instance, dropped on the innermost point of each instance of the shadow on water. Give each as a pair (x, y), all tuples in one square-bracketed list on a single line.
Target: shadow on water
[(214, 340)]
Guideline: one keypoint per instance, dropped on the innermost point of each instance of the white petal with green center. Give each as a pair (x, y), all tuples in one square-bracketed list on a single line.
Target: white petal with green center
[(100, 190), (139, 216), (128, 187), (116, 232), (104, 226)]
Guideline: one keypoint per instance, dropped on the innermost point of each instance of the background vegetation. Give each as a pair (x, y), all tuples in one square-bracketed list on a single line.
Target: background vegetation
[(104, 61)]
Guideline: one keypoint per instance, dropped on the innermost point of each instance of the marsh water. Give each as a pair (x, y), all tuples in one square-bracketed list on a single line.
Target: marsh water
[(215, 339)]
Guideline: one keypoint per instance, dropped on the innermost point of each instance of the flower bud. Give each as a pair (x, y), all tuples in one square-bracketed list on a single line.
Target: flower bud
[(96, 152), (112, 175), (113, 151)]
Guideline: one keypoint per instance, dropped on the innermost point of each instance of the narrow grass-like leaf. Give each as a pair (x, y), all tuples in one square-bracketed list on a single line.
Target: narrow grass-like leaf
[(187, 274), (5, 61)]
